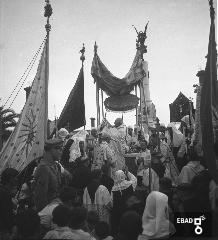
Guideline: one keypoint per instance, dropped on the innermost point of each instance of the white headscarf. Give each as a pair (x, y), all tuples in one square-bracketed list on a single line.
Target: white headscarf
[(155, 220), (75, 149), (120, 182), (62, 133), (178, 137)]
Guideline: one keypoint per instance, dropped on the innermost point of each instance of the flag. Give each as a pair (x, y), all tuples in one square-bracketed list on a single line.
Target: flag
[(26, 143), (73, 113), (209, 103)]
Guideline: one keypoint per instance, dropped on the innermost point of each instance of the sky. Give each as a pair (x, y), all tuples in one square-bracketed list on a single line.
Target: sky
[(177, 42)]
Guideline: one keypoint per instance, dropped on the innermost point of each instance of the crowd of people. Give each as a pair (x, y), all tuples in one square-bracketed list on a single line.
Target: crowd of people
[(83, 189)]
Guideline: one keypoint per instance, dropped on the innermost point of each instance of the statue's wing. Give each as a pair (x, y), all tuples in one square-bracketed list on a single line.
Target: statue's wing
[(146, 28)]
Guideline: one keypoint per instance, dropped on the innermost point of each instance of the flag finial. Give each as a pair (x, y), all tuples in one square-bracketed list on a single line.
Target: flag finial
[(48, 13), (95, 48), (82, 51)]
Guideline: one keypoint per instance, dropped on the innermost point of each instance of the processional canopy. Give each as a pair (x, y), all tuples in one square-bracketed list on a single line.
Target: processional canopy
[(118, 89)]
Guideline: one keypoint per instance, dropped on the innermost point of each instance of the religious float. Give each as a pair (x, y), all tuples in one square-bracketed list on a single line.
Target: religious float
[(130, 93)]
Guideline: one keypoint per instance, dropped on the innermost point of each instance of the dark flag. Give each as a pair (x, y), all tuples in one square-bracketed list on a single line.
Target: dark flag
[(73, 113), (209, 102)]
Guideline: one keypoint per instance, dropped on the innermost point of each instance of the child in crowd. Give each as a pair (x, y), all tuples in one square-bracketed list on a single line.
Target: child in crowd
[(102, 231), (28, 225), (92, 220), (61, 217), (78, 224), (130, 226)]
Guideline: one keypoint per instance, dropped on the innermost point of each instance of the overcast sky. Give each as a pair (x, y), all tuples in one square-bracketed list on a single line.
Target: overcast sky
[(177, 43)]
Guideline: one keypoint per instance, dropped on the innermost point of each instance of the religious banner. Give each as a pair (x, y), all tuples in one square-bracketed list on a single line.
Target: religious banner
[(26, 143), (73, 113), (209, 103)]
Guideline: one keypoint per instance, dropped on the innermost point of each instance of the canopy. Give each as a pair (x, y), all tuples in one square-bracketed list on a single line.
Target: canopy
[(114, 86)]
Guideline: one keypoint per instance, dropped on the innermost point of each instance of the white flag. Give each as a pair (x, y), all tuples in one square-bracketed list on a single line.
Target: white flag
[(26, 143)]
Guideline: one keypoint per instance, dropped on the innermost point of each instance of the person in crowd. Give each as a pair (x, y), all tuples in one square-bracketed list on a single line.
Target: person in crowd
[(121, 127), (82, 175), (79, 146), (166, 188), (145, 172), (187, 126), (134, 203), (97, 197), (47, 176), (130, 226), (168, 161), (124, 186), (155, 220), (176, 204), (61, 217), (179, 212), (66, 154), (104, 155), (63, 134), (92, 220), (67, 197), (131, 139), (213, 196), (184, 193), (28, 225), (8, 190), (192, 168), (78, 224), (200, 192), (102, 231), (106, 180), (177, 143), (92, 143)]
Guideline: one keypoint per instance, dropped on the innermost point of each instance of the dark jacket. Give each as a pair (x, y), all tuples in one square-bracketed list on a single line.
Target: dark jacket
[(107, 181), (47, 183), (82, 177), (6, 210), (119, 206)]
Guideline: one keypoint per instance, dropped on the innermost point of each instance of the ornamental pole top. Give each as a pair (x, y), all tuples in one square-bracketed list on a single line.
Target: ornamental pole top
[(82, 51), (48, 13), (95, 48)]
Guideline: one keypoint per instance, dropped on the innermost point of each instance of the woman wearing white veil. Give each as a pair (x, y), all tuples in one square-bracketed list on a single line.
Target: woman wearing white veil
[(155, 220)]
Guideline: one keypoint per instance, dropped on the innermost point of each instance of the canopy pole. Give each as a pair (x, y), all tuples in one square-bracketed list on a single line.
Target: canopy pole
[(97, 92), (102, 104), (48, 13), (136, 110)]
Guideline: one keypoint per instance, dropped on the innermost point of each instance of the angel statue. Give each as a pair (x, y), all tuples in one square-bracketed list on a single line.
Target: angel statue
[(141, 36)]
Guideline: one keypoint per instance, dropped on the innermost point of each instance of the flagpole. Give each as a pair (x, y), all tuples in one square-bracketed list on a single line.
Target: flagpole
[(82, 58), (97, 92), (47, 14)]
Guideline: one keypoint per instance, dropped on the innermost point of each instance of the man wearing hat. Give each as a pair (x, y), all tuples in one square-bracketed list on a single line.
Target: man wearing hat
[(48, 174)]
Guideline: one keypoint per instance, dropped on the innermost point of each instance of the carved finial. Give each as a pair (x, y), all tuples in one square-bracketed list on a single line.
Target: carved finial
[(95, 48), (47, 13), (82, 51)]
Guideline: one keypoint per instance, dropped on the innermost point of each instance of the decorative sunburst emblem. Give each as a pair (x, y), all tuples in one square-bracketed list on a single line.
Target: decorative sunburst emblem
[(28, 133)]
